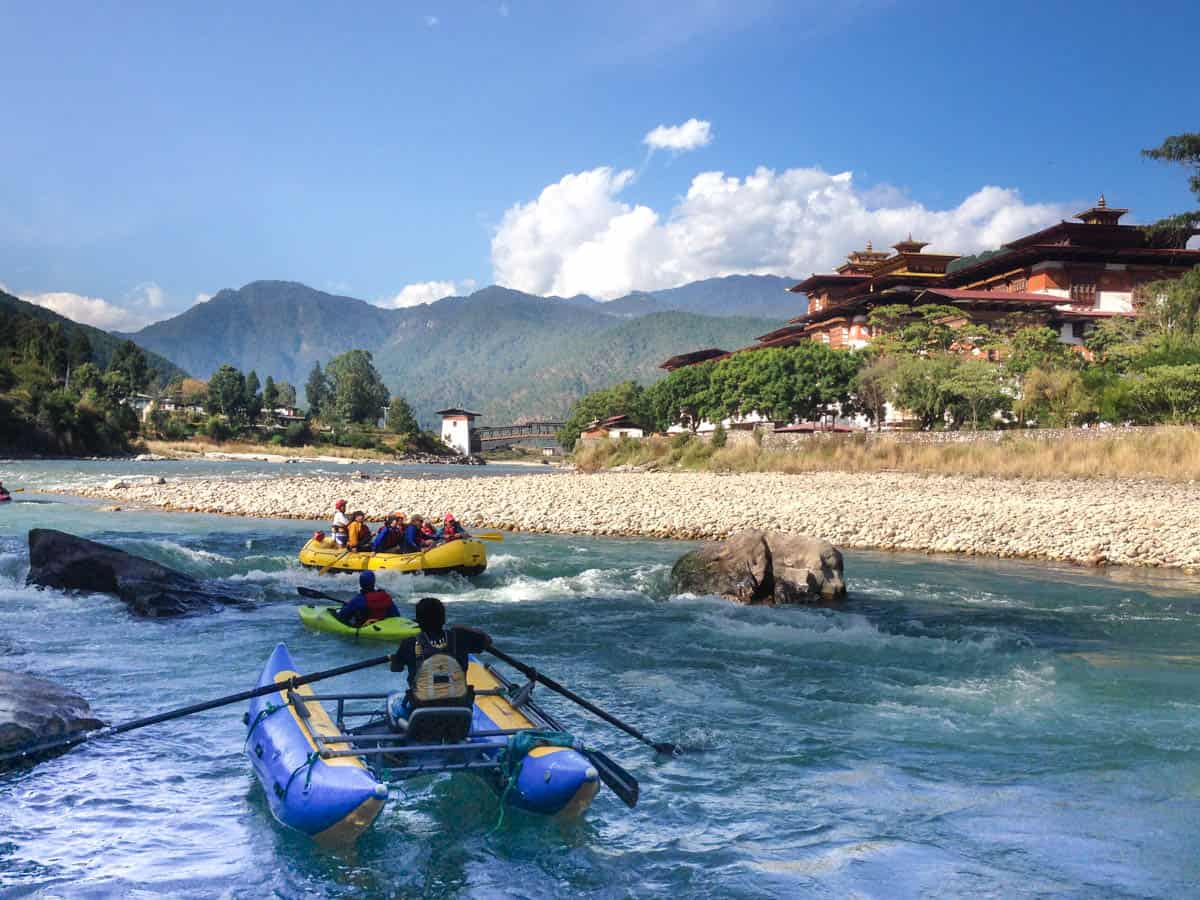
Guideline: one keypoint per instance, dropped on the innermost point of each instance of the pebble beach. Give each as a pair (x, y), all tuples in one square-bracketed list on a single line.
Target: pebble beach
[(1086, 521)]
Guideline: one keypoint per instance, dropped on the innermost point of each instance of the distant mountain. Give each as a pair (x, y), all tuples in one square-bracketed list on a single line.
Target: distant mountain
[(276, 327), (103, 343), (761, 296), (506, 352)]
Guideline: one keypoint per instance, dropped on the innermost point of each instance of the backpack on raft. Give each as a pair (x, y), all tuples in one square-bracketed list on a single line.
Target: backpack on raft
[(440, 680)]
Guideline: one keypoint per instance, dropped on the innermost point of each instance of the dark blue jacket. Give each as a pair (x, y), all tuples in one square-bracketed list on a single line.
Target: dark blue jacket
[(367, 606), (412, 539)]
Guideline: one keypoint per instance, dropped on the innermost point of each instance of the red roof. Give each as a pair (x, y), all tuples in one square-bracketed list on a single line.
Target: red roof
[(688, 359), (831, 278), (995, 296)]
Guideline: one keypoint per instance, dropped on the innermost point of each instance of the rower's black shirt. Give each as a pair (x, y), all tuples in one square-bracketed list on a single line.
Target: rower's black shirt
[(460, 640)]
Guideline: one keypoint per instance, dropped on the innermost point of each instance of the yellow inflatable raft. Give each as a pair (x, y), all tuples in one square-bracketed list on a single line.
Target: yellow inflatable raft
[(465, 556)]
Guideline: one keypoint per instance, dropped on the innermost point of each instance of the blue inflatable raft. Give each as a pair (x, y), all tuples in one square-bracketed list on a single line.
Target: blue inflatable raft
[(330, 780)]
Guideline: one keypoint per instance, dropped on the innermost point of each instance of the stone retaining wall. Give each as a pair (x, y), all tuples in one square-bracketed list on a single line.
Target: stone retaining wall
[(783, 440)]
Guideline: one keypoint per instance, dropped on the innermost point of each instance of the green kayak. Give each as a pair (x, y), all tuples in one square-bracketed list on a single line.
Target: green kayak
[(321, 618)]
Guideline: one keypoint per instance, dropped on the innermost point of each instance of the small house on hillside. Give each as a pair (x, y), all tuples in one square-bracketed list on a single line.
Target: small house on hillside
[(458, 426), (612, 428)]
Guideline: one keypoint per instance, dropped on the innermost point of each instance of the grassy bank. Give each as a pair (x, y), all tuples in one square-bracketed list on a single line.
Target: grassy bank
[(1161, 453), (199, 445)]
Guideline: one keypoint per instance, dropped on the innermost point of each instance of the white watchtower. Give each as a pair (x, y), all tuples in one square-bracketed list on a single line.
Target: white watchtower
[(457, 425)]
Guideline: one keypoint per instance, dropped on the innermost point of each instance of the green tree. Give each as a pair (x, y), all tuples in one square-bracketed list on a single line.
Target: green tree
[(627, 398), (1054, 397), (316, 392), (981, 387), (87, 377), (804, 382), (1038, 347), (287, 394), (79, 348), (359, 394), (400, 418), (684, 397), (1183, 149), (270, 394), (922, 386), (227, 394), (873, 386), (1166, 393), (1171, 308), (130, 363), (930, 328), (254, 402)]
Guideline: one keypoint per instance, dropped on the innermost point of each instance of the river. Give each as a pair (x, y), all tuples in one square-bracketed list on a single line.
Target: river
[(957, 727)]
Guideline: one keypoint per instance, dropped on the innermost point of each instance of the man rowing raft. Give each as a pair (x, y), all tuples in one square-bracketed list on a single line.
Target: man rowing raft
[(436, 661)]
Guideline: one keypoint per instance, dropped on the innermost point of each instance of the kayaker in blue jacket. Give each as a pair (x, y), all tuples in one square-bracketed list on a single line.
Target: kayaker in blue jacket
[(368, 605)]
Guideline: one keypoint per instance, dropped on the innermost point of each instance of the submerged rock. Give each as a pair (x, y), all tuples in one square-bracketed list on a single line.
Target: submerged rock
[(34, 709), (64, 561), (768, 567)]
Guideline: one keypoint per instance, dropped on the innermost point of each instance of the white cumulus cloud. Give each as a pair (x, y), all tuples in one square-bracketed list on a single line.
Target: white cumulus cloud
[(580, 236), (88, 310), (427, 292), (692, 134), (140, 307)]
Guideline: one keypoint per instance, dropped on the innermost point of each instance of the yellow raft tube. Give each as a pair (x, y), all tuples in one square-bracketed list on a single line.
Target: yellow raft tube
[(466, 557)]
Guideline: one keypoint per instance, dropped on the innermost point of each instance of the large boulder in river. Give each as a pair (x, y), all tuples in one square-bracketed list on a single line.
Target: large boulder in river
[(64, 561), (768, 567), (34, 709)]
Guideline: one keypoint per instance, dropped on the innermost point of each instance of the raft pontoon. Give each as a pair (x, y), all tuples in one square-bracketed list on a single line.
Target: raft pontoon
[(329, 779), (465, 556)]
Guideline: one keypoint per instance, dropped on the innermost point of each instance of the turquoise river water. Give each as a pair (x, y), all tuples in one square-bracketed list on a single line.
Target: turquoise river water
[(957, 727)]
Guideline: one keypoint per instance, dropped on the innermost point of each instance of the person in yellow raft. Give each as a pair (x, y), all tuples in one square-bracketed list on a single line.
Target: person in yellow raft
[(358, 533)]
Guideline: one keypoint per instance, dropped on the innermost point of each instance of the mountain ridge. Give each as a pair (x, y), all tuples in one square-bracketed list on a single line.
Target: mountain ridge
[(500, 349)]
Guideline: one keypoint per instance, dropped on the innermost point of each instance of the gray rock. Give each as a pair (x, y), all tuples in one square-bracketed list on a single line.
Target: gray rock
[(64, 561), (769, 567), (34, 709)]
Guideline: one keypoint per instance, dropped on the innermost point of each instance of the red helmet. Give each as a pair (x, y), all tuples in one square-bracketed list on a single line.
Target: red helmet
[(449, 517), (341, 504)]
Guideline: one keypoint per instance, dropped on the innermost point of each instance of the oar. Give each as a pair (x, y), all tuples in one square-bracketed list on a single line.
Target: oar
[(336, 560), (534, 675), (73, 740), (611, 773), (618, 780), (487, 536)]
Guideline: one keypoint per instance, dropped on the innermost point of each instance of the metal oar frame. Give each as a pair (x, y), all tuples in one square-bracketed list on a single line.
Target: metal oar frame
[(377, 746)]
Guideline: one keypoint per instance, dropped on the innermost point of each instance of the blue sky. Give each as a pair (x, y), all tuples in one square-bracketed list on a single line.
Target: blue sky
[(153, 154)]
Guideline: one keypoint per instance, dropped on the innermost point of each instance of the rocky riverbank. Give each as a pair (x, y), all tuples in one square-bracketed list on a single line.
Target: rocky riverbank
[(1093, 522)]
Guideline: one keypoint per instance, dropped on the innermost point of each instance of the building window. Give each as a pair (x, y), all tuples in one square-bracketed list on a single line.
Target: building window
[(1018, 286), (825, 337), (1083, 292), (1078, 328)]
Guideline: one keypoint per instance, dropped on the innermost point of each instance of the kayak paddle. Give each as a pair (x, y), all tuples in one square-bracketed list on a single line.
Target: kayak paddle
[(312, 594), (534, 675), (73, 740)]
